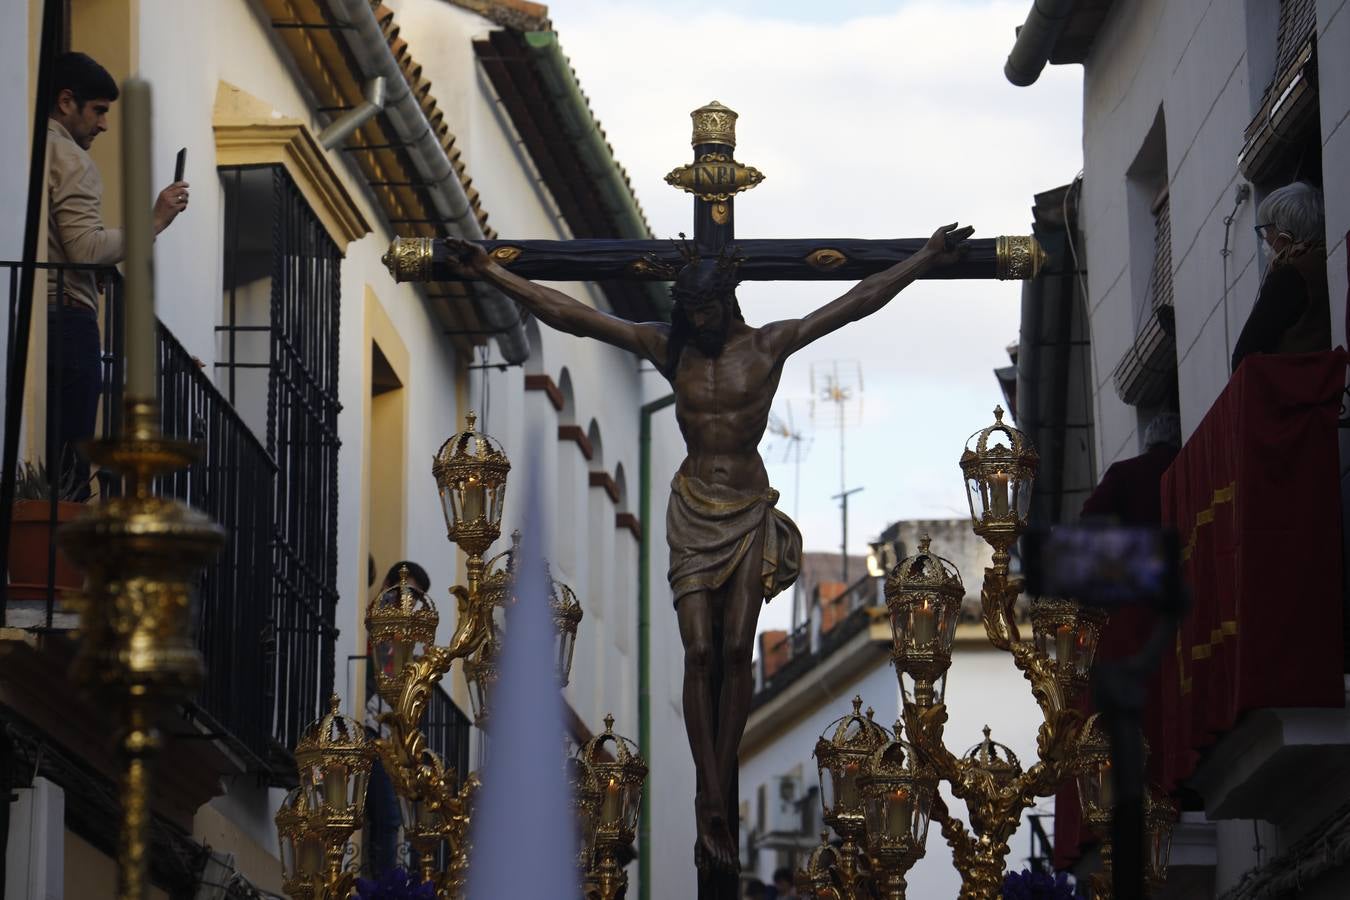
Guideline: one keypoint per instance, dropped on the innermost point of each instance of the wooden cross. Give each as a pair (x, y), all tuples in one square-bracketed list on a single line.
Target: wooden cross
[(714, 178)]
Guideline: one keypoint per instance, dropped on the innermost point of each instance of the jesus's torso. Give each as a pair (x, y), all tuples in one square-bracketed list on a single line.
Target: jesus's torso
[(722, 406)]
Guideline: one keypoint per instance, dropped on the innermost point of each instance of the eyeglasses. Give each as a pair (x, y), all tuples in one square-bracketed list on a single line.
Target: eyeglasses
[(1261, 230)]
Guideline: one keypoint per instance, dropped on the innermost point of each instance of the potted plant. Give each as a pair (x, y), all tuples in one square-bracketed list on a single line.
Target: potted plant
[(31, 531)]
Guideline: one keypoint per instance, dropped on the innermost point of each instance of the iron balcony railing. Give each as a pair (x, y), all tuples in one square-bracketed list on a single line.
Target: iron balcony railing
[(266, 649)]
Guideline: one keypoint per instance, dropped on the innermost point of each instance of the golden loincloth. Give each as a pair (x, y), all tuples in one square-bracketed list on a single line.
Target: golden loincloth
[(710, 528)]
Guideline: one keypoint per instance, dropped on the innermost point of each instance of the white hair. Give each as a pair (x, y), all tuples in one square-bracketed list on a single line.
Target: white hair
[(1295, 209), (1164, 429)]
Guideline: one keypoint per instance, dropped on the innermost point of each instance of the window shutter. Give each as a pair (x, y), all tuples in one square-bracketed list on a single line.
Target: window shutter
[(1146, 372), (1289, 107)]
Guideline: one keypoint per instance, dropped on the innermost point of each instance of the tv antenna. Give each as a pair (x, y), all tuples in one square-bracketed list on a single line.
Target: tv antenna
[(796, 445), (838, 384)]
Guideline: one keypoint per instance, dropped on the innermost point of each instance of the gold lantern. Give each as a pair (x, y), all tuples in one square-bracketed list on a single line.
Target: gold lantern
[(1096, 791), (820, 877), (302, 856), (996, 759), (1160, 816), (470, 470), (566, 610), (617, 773), (401, 623), (842, 755), (1000, 467), (481, 672), (1066, 633), (924, 594), (897, 796), (334, 758)]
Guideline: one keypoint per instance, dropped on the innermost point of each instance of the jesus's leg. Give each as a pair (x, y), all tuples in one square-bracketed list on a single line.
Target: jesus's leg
[(742, 599), (694, 616)]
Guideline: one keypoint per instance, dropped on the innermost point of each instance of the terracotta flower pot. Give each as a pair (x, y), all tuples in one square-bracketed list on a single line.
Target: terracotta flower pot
[(30, 535)]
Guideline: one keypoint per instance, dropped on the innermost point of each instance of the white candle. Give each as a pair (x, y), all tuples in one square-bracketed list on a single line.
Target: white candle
[(925, 625), (609, 813), (139, 290), (998, 494), (898, 812)]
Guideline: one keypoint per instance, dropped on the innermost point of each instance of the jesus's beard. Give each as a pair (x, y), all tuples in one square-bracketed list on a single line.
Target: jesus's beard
[(710, 342)]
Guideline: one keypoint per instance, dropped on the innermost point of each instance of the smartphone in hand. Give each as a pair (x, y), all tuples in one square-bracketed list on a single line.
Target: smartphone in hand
[(180, 165)]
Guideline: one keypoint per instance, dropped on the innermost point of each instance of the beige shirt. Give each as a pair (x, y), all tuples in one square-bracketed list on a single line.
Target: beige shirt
[(75, 232)]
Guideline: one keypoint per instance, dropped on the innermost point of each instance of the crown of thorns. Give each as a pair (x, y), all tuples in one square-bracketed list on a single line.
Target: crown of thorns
[(714, 285)]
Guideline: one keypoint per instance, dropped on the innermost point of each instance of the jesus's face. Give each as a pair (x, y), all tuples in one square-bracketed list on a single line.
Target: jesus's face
[(709, 322)]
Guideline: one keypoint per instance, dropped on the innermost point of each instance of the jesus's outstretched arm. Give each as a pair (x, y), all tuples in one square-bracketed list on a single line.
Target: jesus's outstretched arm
[(557, 310), (872, 293)]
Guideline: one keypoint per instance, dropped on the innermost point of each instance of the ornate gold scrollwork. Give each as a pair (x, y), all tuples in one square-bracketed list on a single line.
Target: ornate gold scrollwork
[(652, 268), (505, 255), (715, 177), (409, 259), (1019, 257), (714, 124), (825, 259)]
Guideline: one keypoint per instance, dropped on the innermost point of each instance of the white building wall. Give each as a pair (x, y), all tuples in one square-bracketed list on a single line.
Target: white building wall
[(1204, 66), (983, 688)]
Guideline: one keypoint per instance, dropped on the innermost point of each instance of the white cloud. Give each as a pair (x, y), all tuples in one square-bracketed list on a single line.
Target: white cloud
[(873, 126)]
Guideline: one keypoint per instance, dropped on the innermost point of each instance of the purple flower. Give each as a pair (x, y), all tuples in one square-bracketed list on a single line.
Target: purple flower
[(1037, 885), (396, 884)]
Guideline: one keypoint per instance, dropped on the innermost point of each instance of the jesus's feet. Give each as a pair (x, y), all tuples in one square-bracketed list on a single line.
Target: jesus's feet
[(714, 847)]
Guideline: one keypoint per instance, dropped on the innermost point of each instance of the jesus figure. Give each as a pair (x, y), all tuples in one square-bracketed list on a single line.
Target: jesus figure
[(730, 549)]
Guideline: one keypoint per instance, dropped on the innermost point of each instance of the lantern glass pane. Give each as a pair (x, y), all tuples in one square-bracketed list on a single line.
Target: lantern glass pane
[(497, 503), (310, 855), (1085, 650), (386, 656), (922, 812), (1022, 496), (899, 818), (632, 806), (845, 778), (288, 855), (566, 641), (924, 622), (450, 507), (1095, 788), (899, 626), (359, 780), (335, 787), (473, 498), (874, 816), (999, 489), (826, 790), (975, 494)]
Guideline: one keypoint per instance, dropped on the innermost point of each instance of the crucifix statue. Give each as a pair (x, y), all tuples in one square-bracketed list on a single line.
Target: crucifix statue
[(730, 548)]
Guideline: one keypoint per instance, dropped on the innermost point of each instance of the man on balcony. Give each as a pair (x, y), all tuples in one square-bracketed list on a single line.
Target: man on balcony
[(83, 92)]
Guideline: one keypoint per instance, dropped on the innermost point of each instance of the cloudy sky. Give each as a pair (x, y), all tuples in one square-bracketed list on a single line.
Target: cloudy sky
[(869, 119)]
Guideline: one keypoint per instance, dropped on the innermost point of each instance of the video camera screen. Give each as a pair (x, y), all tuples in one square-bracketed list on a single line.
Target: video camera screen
[(1105, 565)]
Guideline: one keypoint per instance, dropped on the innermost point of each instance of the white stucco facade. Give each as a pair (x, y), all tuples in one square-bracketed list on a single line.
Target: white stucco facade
[(187, 50)]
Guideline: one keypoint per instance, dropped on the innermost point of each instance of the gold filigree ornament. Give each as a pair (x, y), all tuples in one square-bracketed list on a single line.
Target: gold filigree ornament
[(826, 259), (617, 772), (470, 471), (401, 624), (714, 124), (505, 255), (1018, 257), (409, 259), (334, 759), (714, 177)]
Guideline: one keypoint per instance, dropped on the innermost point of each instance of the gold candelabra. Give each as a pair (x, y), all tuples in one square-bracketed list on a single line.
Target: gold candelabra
[(317, 820), (142, 556), (923, 596)]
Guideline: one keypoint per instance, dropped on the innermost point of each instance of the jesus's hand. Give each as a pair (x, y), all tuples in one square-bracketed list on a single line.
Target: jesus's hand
[(948, 244), (467, 259)]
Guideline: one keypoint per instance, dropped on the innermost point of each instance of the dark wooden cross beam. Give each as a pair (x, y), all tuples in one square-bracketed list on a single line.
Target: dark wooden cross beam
[(714, 178)]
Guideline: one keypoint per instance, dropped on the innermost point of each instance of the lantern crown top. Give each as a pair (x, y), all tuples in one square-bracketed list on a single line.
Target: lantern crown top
[(925, 571), (335, 733), (292, 817), (999, 443), (472, 448), (853, 732), (404, 607), (895, 758), (995, 758), (562, 601), (823, 858), (614, 756)]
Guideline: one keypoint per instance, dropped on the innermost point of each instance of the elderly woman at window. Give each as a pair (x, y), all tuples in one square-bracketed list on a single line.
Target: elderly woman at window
[(1292, 312)]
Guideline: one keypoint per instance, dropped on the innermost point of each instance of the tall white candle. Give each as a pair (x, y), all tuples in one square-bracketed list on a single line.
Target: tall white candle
[(139, 290)]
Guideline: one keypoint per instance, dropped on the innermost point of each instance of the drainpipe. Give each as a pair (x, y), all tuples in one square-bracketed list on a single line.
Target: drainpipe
[(341, 128), (437, 176), (645, 634), (1035, 39)]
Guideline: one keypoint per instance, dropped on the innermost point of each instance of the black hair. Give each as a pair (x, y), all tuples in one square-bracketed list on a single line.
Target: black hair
[(699, 281), (417, 576), (84, 78)]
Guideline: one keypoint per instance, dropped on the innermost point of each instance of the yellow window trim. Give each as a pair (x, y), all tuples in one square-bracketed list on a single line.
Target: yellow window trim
[(249, 132)]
